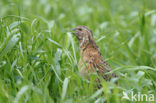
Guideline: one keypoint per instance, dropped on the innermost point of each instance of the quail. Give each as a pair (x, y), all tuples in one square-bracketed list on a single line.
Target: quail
[(91, 59)]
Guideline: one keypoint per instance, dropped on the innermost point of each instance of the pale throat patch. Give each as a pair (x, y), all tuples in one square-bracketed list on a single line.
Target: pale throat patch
[(83, 40)]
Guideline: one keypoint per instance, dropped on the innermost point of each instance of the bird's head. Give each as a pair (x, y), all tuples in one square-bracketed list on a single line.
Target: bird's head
[(82, 33)]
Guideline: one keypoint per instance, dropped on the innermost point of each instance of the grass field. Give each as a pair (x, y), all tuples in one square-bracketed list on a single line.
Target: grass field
[(39, 54)]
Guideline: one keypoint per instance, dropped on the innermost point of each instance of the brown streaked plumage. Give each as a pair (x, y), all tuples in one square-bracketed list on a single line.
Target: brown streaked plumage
[(91, 60)]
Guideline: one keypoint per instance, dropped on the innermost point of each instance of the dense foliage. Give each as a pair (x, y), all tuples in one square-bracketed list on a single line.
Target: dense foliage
[(39, 55)]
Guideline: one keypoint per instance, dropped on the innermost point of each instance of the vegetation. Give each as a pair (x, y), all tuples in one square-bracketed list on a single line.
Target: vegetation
[(39, 54)]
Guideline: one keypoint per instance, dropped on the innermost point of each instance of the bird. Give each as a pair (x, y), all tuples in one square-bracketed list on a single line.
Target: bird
[(91, 59)]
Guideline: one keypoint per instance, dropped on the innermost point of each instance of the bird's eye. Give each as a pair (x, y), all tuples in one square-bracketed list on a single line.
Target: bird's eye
[(80, 29)]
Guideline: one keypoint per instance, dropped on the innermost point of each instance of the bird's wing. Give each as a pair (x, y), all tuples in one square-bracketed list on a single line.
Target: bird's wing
[(100, 66), (99, 61)]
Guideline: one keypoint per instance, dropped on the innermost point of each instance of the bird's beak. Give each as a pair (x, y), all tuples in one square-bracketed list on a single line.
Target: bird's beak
[(74, 31)]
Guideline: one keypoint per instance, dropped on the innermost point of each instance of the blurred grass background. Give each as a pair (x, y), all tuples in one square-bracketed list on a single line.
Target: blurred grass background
[(39, 55)]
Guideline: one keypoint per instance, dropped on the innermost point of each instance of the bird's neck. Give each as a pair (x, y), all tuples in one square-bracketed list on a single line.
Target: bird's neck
[(88, 45)]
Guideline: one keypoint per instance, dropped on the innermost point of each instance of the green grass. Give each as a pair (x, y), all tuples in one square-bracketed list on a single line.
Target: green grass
[(39, 55)]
